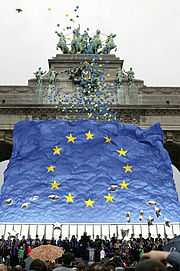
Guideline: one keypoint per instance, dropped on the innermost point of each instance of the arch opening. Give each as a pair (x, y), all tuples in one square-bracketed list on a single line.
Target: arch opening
[(5, 151)]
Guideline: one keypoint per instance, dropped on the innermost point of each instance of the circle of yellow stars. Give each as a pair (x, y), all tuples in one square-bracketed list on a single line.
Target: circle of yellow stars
[(89, 202)]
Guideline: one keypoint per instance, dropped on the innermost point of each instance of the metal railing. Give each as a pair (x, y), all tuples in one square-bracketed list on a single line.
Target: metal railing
[(67, 230)]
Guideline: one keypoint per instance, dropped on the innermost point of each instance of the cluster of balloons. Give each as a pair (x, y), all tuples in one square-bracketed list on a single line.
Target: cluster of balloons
[(90, 97)]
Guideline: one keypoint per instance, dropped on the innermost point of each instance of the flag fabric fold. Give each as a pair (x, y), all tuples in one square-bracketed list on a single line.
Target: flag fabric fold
[(87, 171)]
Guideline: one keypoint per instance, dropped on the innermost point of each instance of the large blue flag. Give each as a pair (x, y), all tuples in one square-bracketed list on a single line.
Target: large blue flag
[(88, 171)]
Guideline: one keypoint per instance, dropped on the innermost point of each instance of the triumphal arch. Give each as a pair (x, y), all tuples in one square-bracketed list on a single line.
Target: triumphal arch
[(66, 91)]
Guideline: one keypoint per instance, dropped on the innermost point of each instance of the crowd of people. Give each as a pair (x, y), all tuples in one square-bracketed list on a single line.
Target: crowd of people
[(116, 252)]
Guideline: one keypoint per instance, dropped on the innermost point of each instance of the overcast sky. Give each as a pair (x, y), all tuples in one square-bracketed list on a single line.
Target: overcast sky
[(148, 35)]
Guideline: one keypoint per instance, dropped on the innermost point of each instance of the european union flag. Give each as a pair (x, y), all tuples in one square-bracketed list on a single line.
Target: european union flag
[(88, 171)]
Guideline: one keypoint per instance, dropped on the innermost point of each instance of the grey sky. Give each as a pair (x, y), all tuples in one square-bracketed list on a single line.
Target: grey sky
[(148, 35)]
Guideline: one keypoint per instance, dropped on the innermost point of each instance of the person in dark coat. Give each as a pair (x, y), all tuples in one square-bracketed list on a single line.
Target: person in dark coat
[(165, 256)]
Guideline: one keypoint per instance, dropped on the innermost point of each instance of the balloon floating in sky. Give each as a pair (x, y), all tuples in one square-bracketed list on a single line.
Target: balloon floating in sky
[(150, 220), (128, 217), (157, 211), (25, 205), (8, 201), (19, 10), (167, 222), (151, 202)]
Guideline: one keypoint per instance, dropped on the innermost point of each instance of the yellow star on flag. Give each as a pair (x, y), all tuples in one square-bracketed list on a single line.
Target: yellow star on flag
[(55, 185), (71, 138), (89, 203), (122, 152), (69, 198), (108, 198), (123, 185), (51, 168), (107, 139), (56, 150), (89, 136), (127, 168)]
